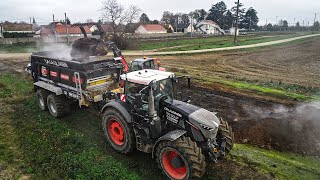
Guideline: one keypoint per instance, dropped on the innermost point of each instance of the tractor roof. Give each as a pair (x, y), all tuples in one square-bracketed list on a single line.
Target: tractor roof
[(143, 60), (146, 76)]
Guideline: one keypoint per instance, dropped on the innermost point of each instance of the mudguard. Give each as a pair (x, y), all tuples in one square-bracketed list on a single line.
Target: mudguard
[(120, 107), (170, 136)]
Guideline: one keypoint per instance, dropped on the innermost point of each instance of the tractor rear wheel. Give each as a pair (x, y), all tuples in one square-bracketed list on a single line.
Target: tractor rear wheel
[(225, 132), (181, 159), (57, 105), (41, 96), (118, 132)]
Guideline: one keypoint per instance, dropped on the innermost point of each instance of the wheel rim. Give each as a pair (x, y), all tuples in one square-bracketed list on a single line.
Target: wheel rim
[(41, 101), (52, 107), (116, 132), (174, 164)]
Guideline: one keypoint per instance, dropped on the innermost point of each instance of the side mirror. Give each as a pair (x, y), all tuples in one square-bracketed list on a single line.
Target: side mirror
[(188, 99)]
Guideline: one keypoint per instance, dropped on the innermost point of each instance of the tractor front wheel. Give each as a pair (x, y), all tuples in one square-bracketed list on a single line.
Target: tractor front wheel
[(118, 132), (181, 159), (225, 134)]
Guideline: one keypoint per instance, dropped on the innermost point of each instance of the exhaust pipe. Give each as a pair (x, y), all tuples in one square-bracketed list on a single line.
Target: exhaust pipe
[(155, 122)]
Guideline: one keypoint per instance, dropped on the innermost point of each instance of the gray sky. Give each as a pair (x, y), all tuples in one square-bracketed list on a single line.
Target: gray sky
[(80, 10)]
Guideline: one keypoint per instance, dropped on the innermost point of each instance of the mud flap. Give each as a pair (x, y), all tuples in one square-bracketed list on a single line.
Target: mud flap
[(170, 136)]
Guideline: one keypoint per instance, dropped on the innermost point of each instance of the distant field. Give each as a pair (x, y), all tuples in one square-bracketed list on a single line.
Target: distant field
[(284, 70), (211, 42)]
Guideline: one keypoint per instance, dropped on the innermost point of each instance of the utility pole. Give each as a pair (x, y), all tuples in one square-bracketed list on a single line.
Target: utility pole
[(294, 22), (67, 29), (237, 21), (53, 18), (249, 25), (314, 21), (276, 20)]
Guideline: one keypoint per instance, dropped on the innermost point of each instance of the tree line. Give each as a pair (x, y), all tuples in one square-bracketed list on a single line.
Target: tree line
[(219, 13)]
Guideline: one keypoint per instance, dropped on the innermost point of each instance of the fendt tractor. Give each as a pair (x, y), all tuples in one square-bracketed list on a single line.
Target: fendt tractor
[(138, 110)]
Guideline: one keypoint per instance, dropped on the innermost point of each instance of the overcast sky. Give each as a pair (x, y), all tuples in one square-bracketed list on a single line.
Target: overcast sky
[(80, 10)]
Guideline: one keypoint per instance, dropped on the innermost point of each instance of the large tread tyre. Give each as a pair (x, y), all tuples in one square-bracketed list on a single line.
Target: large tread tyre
[(57, 105), (181, 159), (118, 132), (41, 95), (225, 131)]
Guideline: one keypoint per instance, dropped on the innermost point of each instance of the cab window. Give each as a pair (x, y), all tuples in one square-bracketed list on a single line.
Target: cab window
[(135, 66), (148, 65)]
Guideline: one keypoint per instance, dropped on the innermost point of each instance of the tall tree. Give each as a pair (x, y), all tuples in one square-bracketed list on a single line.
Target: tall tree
[(155, 22), (242, 12), (199, 14), (228, 20), (250, 19), (216, 13), (316, 26), (167, 17), (144, 18), (117, 15), (269, 27), (285, 25)]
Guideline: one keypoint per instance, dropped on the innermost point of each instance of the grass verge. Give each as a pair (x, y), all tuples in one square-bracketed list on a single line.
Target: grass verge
[(19, 48), (278, 165)]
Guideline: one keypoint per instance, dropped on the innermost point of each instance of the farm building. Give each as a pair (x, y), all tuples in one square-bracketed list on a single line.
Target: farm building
[(59, 30), (150, 29), (184, 28), (169, 28), (209, 27), (16, 30)]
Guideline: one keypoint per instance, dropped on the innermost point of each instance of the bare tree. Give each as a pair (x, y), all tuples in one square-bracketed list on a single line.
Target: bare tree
[(118, 16)]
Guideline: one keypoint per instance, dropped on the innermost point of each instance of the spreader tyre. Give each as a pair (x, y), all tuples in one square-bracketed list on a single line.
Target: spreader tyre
[(57, 105), (181, 159), (225, 131), (118, 132), (41, 96)]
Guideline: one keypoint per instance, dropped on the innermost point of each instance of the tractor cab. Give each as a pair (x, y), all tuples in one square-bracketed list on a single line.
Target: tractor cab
[(145, 89), (145, 63)]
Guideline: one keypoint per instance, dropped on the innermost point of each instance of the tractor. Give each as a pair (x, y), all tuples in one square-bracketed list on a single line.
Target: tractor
[(182, 137), (145, 63)]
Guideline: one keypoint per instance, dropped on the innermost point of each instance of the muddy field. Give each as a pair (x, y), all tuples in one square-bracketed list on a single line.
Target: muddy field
[(295, 64), (256, 121)]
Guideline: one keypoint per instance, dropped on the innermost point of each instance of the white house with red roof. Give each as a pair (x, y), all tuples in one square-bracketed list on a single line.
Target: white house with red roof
[(209, 27), (150, 29)]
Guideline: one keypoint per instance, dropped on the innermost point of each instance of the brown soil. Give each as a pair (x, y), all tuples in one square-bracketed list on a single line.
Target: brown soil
[(296, 64), (260, 122)]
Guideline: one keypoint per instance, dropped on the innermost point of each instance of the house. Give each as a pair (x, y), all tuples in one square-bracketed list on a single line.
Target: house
[(150, 29), (18, 28), (184, 28), (59, 30), (233, 31), (13, 30), (209, 27), (169, 28)]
